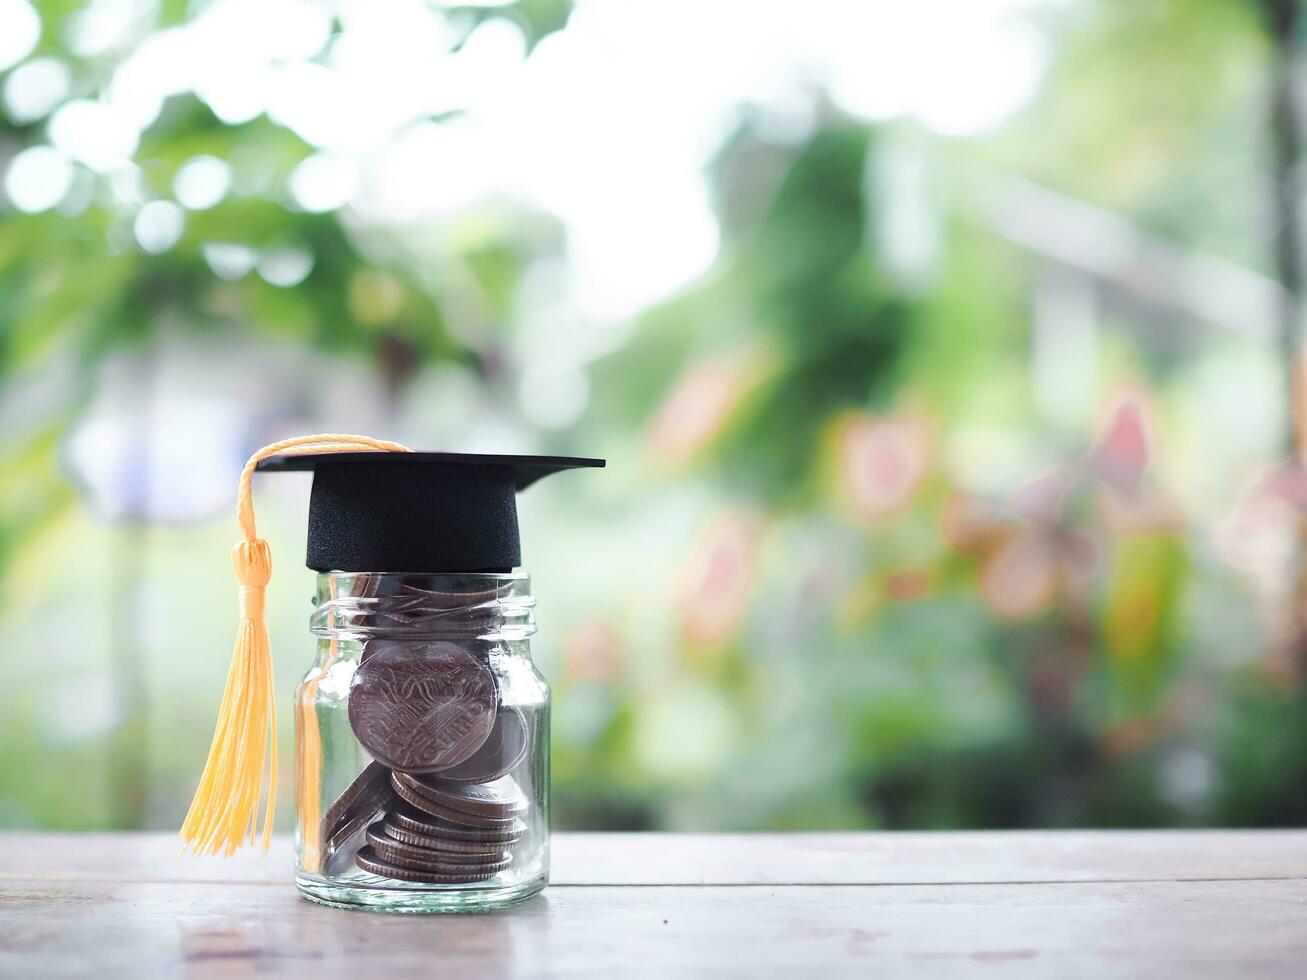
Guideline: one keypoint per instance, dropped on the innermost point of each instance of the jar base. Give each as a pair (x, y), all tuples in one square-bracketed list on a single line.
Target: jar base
[(378, 898)]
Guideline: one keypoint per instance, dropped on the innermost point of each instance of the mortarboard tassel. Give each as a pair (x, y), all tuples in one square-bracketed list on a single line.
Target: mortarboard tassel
[(223, 814)]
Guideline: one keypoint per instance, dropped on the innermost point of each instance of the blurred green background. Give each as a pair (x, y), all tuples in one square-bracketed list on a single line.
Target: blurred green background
[(944, 355)]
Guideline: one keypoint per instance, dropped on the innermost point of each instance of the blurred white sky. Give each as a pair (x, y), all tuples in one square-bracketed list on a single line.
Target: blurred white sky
[(607, 124)]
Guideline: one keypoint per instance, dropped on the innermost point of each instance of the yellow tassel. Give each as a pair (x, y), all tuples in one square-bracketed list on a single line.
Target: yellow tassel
[(224, 812)]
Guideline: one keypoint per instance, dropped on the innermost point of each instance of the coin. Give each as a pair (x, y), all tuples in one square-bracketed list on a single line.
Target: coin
[(481, 870), (407, 788), (418, 821), (363, 800), (504, 748), (412, 856), (421, 706), (497, 799), (444, 844), (369, 861)]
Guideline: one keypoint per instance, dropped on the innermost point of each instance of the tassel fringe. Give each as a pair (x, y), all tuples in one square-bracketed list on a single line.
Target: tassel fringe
[(224, 813)]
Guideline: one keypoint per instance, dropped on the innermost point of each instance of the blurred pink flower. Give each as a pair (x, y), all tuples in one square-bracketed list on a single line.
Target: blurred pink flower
[(1020, 576), (1262, 538), (1259, 537), (695, 410), (1046, 544), (1028, 553), (1120, 452), (713, 588), (1119, 459), (593, 651), (882, 462)]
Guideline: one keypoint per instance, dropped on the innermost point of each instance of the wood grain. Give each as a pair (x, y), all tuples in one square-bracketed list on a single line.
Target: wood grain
[(884, 905)]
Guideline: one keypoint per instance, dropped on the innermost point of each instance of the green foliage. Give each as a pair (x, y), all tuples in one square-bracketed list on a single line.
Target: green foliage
[(793, 437)]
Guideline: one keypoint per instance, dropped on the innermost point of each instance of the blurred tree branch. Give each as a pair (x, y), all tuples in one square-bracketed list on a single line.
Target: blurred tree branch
[(1283, 21)]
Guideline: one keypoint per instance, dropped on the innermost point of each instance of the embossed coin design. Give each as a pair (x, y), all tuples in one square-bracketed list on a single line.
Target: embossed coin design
[(422, 707)]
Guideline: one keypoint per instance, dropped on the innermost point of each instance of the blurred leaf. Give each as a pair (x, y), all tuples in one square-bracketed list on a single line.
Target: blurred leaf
[(1140, 605)]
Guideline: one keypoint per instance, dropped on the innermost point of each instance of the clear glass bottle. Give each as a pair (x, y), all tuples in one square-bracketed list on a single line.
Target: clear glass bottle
[(422, 744)]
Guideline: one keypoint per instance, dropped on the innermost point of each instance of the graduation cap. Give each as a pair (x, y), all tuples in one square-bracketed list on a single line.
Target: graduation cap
[(417, 512), (375, 506)]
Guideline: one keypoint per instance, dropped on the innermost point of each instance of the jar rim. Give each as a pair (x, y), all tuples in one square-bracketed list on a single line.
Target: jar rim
[(491, 605)]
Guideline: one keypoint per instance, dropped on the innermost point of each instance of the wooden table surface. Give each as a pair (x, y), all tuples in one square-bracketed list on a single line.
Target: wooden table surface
[(1058, 904)]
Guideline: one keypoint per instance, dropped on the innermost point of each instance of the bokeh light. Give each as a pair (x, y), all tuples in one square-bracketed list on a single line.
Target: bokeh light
[(38, 178), (202, 182), (35, 88), (159, 226), (20, 29)]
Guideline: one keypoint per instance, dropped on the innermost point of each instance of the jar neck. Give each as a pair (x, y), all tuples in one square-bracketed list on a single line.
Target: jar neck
[(423, 605)]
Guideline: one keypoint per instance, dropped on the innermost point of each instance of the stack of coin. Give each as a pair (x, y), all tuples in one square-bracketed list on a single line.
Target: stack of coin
[(438, 804), (445, 832)]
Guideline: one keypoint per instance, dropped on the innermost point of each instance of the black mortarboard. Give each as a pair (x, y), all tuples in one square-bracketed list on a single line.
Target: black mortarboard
[(417, 512)]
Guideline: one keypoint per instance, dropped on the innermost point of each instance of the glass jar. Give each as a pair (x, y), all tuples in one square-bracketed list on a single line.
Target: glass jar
[(422, 744)]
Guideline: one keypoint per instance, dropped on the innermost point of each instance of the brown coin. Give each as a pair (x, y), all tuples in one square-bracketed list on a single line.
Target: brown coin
[(368, 860), (442, 844), (419, 822), (502, 751), (406, 786), (421, 707), (365, 584), (363, 800), (484, 869), (411, 856), (498, 799)]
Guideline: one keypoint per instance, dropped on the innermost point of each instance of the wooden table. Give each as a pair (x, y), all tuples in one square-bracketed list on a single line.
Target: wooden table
[(1070, 904)]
